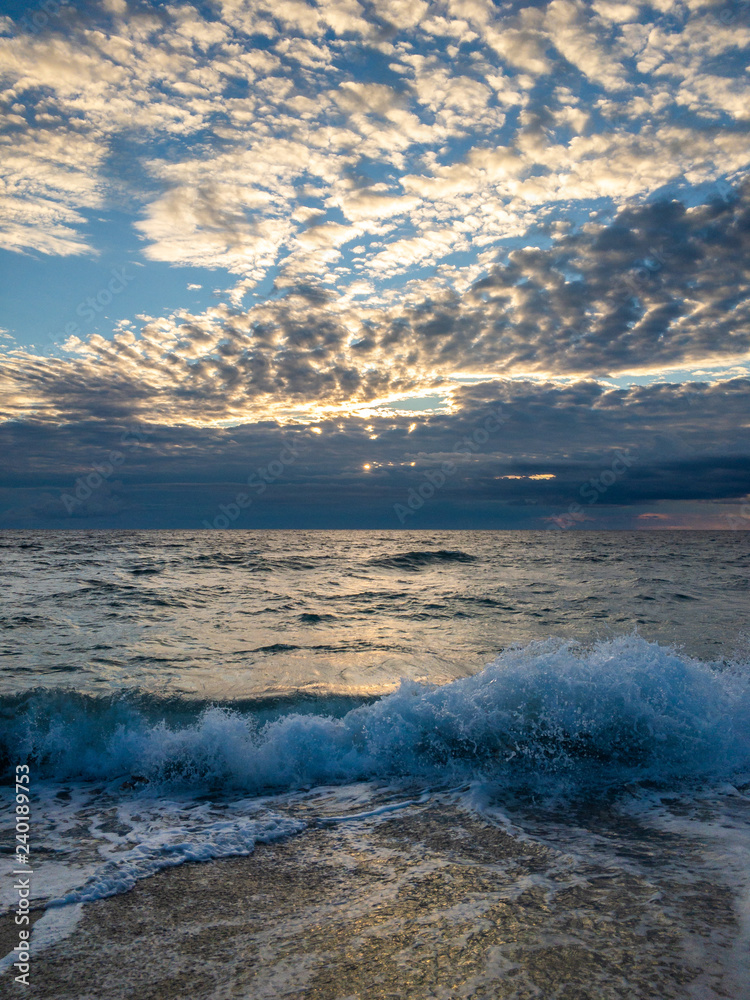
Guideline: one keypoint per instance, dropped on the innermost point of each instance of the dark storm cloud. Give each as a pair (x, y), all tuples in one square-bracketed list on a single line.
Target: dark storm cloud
[(681, 441)]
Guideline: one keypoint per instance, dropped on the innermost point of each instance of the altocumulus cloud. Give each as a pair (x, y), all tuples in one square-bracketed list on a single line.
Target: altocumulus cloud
[(539, 207), (661, 286)]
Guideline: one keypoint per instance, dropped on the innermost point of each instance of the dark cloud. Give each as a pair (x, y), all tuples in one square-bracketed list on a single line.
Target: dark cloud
[(661, 285), (680, 442)]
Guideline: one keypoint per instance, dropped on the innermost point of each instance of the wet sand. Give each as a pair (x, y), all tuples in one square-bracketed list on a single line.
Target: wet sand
[(431, 903)]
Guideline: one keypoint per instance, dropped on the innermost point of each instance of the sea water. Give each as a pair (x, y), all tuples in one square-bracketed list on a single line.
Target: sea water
[(584, 697)]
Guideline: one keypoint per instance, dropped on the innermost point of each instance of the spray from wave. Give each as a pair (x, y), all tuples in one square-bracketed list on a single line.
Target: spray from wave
[(625, 711)]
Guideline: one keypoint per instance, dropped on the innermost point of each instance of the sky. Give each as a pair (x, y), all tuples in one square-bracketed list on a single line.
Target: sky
[(396, 264)]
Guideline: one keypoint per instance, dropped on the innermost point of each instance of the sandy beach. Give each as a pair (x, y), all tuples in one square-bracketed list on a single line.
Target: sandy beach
[(431, 903)]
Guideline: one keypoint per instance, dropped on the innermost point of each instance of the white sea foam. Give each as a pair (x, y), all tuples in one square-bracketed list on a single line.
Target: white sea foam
[(718, 821), (120, 794), (624, 711), (90, 845)]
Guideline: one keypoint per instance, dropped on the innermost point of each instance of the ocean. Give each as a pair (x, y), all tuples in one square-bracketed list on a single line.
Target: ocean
[(388, 764)]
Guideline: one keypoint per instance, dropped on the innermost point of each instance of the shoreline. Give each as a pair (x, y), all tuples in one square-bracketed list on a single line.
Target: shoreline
[(433, 903)]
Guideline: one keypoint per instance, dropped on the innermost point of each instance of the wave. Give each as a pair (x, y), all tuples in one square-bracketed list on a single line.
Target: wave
[(417, 560), (24, 621), (255, 562), (551, 714)]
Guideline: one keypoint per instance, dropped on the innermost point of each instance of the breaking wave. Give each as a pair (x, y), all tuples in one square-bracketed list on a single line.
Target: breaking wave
[(625, 711)]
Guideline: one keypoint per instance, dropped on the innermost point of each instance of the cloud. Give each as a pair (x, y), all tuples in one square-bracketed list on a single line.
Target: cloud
[(547, 443), (661, 286), (237, 140), (539, 194), (584, 43), (49, 179)]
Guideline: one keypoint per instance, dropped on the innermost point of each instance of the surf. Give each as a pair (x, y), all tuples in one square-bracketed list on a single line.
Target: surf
[(547, 715)]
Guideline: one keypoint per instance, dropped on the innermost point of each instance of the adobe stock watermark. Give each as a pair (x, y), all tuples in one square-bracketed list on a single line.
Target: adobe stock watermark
[(258, 481), (22, 873), (735, 14), (593, 490), (435, 479), (41, 17), (101, 472), (90, 307), (741, 521), (643, 272)]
